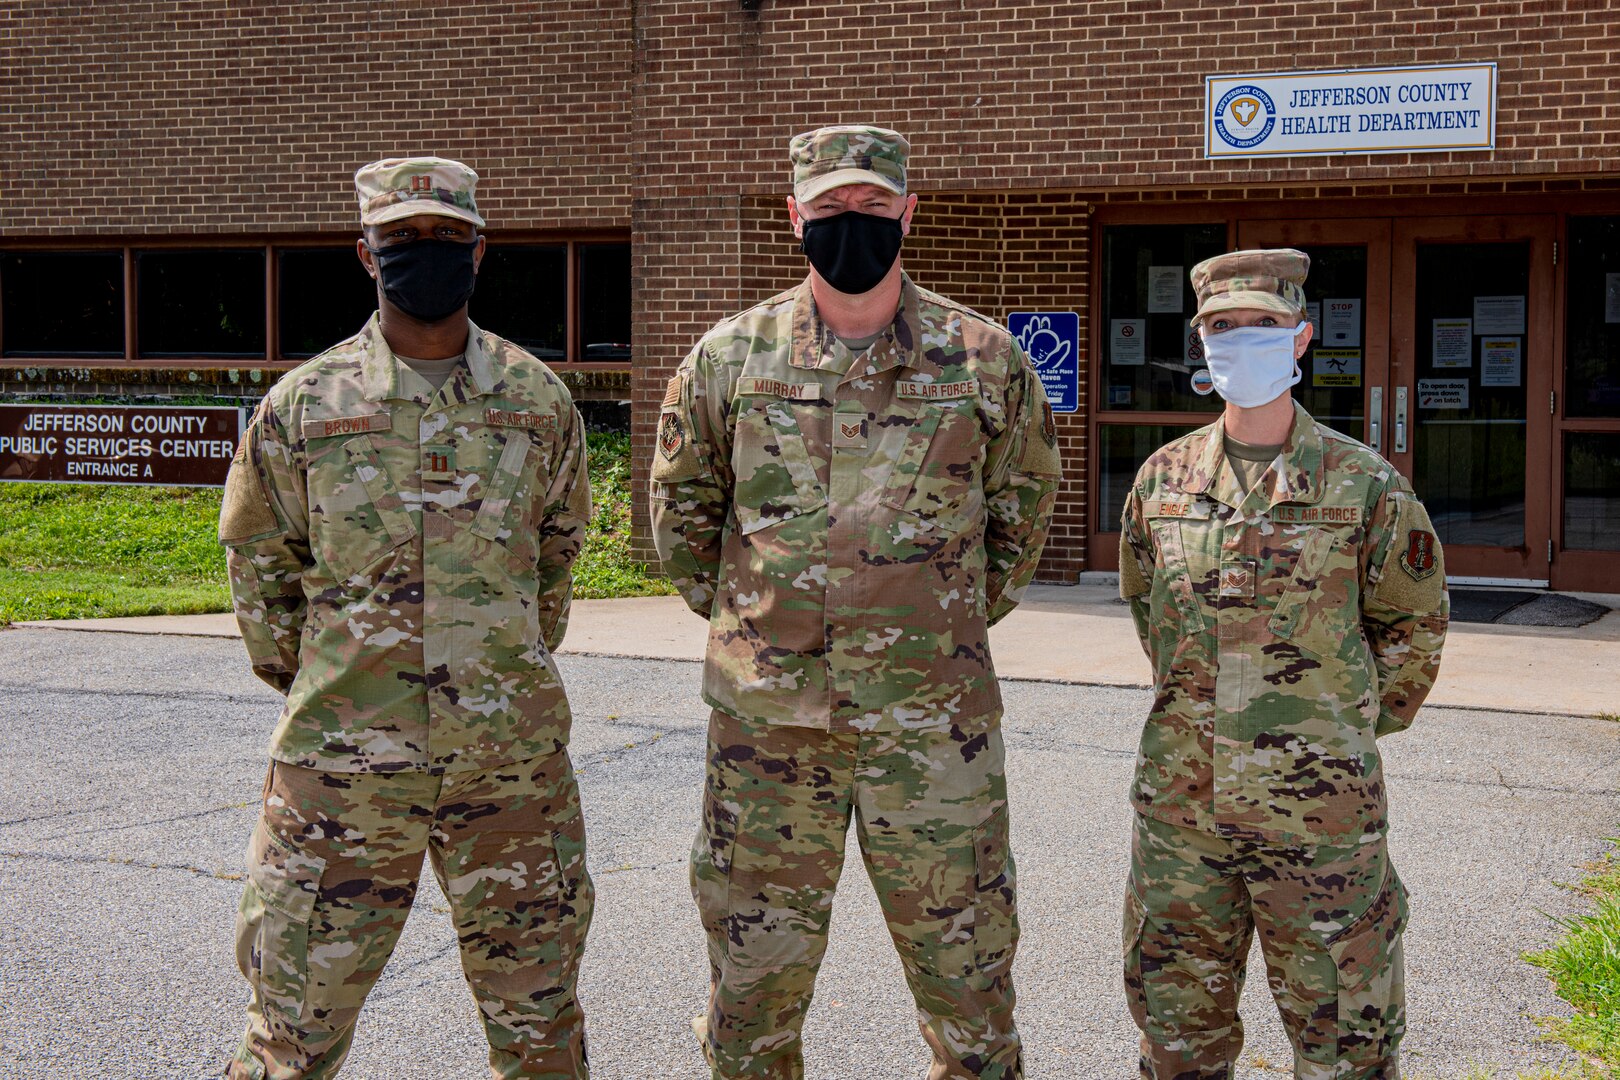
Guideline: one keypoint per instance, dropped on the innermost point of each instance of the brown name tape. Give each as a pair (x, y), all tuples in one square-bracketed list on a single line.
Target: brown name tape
[(921, 391), (502, 418), (1317, 515), (1175, 508), (347, 425), (777, 388)]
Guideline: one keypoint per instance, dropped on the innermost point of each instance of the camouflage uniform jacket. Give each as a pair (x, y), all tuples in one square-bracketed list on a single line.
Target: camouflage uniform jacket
[(851, 525), (401, 561), (1287, 629)]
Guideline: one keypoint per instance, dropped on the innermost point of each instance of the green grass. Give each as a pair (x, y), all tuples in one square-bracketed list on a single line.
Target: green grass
[(605, 569), (1584, 966), (80, 551), (84, 551)]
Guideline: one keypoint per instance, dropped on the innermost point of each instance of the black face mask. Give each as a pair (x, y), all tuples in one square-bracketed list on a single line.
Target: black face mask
[(427, 279), (852, 251)]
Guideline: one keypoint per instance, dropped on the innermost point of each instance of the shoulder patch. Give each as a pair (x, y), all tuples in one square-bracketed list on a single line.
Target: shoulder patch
[(1040, 456), (675, 459), (245, 512), (1413, 576)]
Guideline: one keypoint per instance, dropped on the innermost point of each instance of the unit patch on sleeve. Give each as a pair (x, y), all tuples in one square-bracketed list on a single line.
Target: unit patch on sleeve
[(671, 435), (1418, 559)]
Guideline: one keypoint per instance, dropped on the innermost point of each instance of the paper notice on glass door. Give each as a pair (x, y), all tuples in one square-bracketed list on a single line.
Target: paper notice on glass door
[(1341, 324), (1611, 298), (1500, 362), (1442, 393), (1498, 315), (1453, 343), (1127, 342), (1313, 312), (1337, 367), (1164, 289)]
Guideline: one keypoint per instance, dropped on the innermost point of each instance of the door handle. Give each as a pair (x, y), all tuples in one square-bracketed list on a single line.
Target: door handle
[(1400, 419), (1375, 417)]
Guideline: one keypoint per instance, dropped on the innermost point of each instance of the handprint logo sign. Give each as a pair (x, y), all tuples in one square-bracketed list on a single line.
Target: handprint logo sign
[(1051, 340), (1046, 350)]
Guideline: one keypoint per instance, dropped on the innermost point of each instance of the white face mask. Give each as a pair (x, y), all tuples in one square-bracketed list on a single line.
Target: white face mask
[(1252, 365)]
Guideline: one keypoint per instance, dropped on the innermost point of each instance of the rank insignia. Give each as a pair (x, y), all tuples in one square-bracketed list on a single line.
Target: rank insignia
[(1418, 559), (671, 435)]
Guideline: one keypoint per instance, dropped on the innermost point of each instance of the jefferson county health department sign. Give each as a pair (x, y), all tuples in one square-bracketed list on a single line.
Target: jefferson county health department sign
[(1370, 111), (118, 444)]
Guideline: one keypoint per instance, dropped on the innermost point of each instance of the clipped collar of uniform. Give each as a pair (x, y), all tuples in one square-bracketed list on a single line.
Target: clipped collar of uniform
[(381, 368), (900, 342), (1302, 460)]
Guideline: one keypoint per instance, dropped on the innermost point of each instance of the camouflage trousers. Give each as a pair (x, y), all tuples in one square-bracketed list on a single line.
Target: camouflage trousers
[(1330, 921), (332, 871), (930, 809)]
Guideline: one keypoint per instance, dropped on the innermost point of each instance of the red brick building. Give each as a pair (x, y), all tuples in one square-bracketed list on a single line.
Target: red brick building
[(175, 210)]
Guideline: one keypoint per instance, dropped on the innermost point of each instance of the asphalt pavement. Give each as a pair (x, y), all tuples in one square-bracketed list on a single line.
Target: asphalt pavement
[(131, 766)]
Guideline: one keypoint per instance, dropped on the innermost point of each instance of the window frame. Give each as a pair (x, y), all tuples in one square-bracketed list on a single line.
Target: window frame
[(127, 247)]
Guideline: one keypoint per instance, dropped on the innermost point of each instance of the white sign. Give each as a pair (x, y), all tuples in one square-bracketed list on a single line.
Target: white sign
[(1337, 367), (1164, 289), (1453, 343), (1442, 393), (1395, 110), (1313, 312), (1341, 323), (1611, 298), (1499, 362), (1498, 315), (1194, 342), (1127, 342)]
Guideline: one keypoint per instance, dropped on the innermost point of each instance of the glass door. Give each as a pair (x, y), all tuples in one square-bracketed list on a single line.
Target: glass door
[(1344, 372), (1469, 404)]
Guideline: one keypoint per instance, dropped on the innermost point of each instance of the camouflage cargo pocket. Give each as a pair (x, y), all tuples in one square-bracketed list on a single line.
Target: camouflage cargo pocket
[(1314, 611), (1371, 978), (1131, 939), (995, 915), (775, 478), (356, 515), (278, 905), (935, 477)]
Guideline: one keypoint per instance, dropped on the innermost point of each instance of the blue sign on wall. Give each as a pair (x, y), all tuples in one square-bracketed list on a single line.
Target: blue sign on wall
[(1052, 340)]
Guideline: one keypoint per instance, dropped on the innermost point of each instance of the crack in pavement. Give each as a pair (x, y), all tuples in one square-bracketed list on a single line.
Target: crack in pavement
[(161, 695), (113, 860), (104, 830)]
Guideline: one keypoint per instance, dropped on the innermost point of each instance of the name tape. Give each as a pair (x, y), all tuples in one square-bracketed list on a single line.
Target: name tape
[(501, 418), (1317, 515), (921, 391), (347, 425), (776, 388), (1175, 508)]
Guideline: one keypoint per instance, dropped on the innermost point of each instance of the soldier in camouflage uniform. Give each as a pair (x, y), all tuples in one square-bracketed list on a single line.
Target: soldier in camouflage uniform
[(1288, 588), (852, 481), (400, 521)]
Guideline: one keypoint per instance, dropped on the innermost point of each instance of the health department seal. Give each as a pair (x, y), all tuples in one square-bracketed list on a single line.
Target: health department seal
[(1245, 116)]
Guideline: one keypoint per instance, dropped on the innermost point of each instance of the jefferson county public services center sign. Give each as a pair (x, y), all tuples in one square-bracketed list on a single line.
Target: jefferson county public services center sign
[(118, 444), (1371, 111)]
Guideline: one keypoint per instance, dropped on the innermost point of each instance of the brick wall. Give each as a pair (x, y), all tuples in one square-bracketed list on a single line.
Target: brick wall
[(153, 117)]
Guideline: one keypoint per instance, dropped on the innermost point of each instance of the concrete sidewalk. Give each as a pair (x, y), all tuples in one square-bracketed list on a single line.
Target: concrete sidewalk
[(1082, 634)]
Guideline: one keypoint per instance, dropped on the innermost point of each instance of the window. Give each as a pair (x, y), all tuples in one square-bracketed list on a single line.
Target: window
[(1592, 491), (201, 303), (604, 301), (522, 295), (324, 296), (1592, 350), (1147, 348), (567, 301), (62, 303)]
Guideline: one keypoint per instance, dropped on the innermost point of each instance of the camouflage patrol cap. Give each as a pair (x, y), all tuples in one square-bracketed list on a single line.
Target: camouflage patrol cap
[(1267, 279), (397, 188), (844, 154)]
